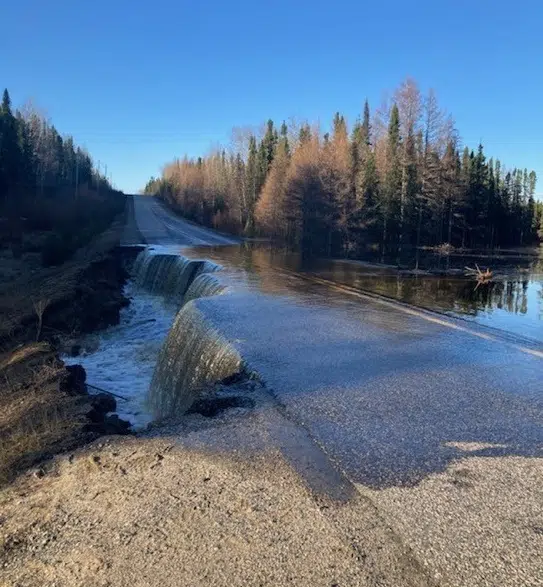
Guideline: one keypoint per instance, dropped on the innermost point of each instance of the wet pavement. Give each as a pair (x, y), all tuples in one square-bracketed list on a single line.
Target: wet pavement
[(387, 402), (389, 394)]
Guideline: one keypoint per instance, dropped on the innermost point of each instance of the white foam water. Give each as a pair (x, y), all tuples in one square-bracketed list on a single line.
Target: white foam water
[(122, 358)]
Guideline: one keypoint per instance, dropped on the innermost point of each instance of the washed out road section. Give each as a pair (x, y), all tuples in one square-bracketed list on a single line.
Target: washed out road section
[(386, 393), (439, 429)]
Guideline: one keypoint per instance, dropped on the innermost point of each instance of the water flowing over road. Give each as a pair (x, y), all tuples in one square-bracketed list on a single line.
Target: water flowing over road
[(435, 423), (389, 392)]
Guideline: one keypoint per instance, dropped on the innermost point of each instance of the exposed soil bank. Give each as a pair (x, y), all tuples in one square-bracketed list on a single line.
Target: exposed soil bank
[(96, 301), (44, 405), (45, 409)]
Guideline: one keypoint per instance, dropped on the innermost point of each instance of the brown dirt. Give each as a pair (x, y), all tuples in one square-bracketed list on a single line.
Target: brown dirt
[(41, 414), (187, 508), (92, 268)]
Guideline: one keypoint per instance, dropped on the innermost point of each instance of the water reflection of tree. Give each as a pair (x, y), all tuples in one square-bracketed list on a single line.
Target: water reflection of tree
[(452, 293), (442, 293), (510, 295)]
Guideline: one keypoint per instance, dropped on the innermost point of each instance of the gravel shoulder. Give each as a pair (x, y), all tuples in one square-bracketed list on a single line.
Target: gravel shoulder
[(191, 504), (148, 513), (246, 498), (478, 523)]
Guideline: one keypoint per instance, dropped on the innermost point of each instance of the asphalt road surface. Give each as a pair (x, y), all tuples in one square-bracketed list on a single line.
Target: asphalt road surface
[(440, 424), (150, 222)]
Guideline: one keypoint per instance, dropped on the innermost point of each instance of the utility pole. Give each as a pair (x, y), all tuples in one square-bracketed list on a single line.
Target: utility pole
[(76, 177), (98, 179)]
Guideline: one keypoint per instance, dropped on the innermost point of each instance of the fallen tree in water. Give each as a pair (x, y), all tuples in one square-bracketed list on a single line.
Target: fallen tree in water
[(482, 277)]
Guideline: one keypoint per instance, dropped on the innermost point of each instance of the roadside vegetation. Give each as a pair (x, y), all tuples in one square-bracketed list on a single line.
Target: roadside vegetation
[(52, 198), (398, 178), (38, 416), (57, 278)]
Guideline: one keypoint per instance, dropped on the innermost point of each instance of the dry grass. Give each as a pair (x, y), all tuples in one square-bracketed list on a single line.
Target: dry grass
[(36, 417), (54, 284)]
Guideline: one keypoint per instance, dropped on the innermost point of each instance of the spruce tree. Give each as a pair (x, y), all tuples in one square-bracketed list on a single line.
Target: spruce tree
[(532, 223), (305, 134), (10, 159), (451, 185), (391, 190), (252, 179), (263, 167), (366, 127), (365, 181), (27, 163), (284, 139), (269, 144)]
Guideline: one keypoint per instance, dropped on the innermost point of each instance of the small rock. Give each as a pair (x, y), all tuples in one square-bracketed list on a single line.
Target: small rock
[(115, 425), (74, 380), (75, 350), (101, 403)]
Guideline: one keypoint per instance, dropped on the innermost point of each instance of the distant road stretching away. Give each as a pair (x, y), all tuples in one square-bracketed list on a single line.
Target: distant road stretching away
[(149, 221)]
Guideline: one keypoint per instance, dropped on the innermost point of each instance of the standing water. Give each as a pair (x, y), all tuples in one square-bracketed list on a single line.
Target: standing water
[(161, 344)]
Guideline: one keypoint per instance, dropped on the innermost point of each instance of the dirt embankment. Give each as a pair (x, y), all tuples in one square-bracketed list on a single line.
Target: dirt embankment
[(44, 406)]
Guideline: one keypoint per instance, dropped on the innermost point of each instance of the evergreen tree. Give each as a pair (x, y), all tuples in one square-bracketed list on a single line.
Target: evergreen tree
[(284, 138), (516, 207), (253, 178), (392, 186), (532, 224), (366, 126), (10, 159), (27, 163), (451, 185), (365, 182), (262, 165), (269, 144), (270, 212), (477, 197), (305, 134)]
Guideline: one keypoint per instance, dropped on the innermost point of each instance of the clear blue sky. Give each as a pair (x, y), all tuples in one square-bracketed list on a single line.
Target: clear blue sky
[(139, 83)]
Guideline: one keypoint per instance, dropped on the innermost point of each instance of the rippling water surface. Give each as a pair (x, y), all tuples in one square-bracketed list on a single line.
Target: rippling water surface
[(122, 358)]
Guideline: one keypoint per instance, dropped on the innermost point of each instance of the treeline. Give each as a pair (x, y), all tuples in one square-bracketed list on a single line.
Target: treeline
[(48, 183), (397, 178)]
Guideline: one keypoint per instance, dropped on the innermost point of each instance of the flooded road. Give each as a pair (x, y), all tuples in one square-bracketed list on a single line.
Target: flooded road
[(389, 392), (512, 303)]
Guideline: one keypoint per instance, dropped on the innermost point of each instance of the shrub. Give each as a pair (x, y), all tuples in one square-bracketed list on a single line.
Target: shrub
[(55, 250)]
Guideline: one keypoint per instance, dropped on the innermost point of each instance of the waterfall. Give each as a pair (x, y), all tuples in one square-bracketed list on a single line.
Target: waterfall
[(167, 273), (193, 356), (205, 285)]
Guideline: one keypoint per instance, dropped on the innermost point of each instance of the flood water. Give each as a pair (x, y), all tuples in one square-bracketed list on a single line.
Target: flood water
[(512, 302), (121, 359)]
